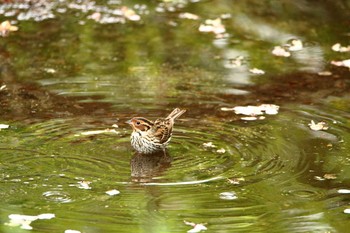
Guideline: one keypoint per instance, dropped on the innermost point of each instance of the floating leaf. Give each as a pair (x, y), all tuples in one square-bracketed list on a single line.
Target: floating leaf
[(228, 196), (71, 231), (187, 15), (319, 178), (95, 132), (130, 14), (319, 126), (84, 184), (234, 62), (345, 63), (324, 73), (209, 145), (213, 25), (197, 227), (330, 176), (24, 221), (236, 180), (50, 70), (344, 191), (4, 126), (280, 52), (112, 192), (6, 27), (221, 151), (296, 45), (256, 71), (338, 48), (253, 111)]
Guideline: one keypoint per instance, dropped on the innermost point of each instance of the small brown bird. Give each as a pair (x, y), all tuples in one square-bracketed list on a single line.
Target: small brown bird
[(149, 137)]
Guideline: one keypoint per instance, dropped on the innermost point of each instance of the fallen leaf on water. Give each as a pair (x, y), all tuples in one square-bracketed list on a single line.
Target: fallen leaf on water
[(50, 70), (345, 63), (94, 132), (130, 14), (319, 178), (253, 118), (226, 16), (253, 111), (319, 126), (197, 227), (187, 15), (112, 192), (221, 151), (235, 62), (71, 231), (95, 16), (228, 196), (270, 109), (84, 184), (212, 25), (248, 110), (330, 176), (256, 71), (280, 52), (296, 45), (338, 48), (6, 27), (226, 109), (344, 191), (24, 221), (4, 126), (3, 87), (324, 73), (236, 180), (209, 145)]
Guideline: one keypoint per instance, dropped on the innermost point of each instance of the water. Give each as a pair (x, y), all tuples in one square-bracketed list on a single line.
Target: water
[(71, 83)]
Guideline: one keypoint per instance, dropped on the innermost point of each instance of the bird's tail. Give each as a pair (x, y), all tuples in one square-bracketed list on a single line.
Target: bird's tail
[(176, 113)]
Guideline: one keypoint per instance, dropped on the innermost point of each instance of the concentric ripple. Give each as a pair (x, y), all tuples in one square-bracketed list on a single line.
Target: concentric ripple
[(232, 175)]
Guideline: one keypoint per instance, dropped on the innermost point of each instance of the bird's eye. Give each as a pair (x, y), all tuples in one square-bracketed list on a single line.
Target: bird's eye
[(138, 123)]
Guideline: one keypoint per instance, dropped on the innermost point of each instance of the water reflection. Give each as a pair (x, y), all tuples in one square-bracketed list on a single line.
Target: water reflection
[(265, 176), (146, 167)]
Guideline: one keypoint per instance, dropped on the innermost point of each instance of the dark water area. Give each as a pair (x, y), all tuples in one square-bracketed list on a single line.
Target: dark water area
[(74, 71)]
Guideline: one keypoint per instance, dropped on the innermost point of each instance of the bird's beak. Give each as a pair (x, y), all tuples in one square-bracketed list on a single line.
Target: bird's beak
[(128, 122)]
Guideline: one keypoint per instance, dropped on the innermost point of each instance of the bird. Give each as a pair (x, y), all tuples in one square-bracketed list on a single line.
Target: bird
[(150, 137)]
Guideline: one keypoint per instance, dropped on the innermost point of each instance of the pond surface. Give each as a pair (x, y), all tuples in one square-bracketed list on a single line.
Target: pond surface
[(75, 71)]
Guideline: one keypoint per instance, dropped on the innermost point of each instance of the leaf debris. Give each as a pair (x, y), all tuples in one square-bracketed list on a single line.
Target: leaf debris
[(197, 227), (318, 126)]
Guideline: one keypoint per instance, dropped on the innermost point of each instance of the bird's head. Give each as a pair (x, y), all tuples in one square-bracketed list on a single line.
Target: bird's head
[(140, 124)]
